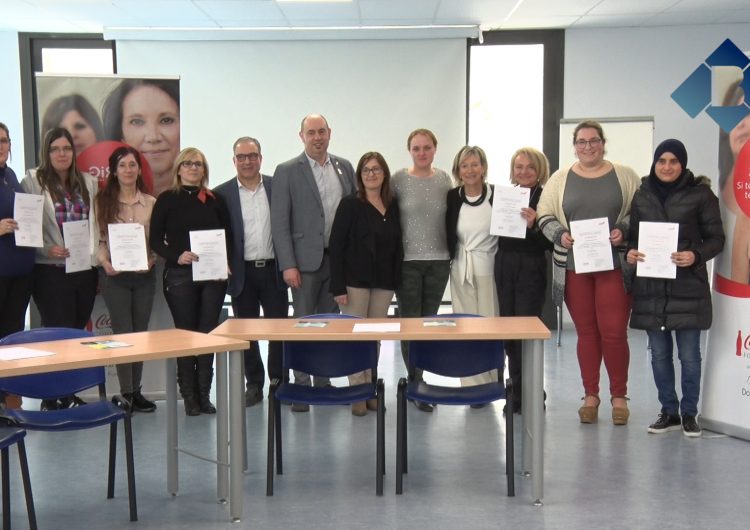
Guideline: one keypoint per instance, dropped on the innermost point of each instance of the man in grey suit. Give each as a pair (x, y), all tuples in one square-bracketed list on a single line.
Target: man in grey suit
[(255, 281), (307, 191)]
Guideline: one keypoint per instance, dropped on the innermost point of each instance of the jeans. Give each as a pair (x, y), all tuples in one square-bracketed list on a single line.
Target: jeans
[(129, 297), (689, 353)]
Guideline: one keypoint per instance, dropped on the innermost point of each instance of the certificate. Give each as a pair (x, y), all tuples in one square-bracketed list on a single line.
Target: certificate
[(127, 247), (657, 242), (506, 218), (27, 211), (591, 246), (78, 243), (211, 247)]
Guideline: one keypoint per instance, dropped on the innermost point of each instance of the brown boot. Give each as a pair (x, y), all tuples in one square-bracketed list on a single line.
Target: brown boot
[(359, 408)]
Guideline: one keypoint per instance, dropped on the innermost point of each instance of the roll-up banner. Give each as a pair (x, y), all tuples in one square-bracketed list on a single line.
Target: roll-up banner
[(103, 113)]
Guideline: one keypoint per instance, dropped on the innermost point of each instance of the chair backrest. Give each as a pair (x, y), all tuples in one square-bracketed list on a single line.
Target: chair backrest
[(457, 358), (330, 358), (54, 384)]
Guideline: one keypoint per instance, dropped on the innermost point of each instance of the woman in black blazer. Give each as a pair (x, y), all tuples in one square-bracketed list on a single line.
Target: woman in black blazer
[(366, 251)]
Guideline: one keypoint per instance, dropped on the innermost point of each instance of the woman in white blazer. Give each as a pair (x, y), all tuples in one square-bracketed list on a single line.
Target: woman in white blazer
[(64, 299)]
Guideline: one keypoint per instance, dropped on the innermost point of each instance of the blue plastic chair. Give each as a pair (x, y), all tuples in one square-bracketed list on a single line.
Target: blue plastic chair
[(59, 384), (8, 437), (453, 358), (326, 359)]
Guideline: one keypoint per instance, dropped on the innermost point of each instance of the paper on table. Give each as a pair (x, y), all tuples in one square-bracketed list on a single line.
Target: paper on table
[(127, 247), (211, 247), (506, 218), (20, 352), (310, 324), (76, 236), (439, 323), (27, 211), (593, 250), (657, 241), (385, 327)]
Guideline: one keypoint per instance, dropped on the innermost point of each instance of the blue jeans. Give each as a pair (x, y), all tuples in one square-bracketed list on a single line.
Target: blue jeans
[(689, 353)]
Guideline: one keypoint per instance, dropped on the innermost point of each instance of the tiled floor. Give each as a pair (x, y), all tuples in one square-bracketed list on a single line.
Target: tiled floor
[(597, 476)]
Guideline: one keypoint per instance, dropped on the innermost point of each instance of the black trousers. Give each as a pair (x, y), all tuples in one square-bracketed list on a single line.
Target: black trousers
[(521, 281), (64, 300), (195, 306), (262, 288), (15, 292)]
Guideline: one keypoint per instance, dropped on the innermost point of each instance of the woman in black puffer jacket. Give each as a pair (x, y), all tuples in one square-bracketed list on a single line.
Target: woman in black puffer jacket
[(672, 194)]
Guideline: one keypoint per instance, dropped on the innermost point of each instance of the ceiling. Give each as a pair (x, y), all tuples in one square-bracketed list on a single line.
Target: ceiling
[(87, 16)]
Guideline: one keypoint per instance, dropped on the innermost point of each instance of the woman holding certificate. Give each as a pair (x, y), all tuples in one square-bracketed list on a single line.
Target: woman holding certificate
[(65, 276), (16, 263), (596, 298), (420, 191), (471, 247), (129, 283), (677, 299), (521, 263), (182, 214)]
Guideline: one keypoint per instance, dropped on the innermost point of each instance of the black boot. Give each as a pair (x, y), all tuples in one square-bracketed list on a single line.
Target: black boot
[(140, 403), (186, 379), (205, 377)]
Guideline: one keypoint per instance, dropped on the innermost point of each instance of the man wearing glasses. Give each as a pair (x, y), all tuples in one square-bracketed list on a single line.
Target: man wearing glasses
[(255, 281), (308, 190)]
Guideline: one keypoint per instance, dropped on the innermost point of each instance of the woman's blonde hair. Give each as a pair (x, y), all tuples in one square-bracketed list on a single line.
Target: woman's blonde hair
[(538, 160), (184, 155)]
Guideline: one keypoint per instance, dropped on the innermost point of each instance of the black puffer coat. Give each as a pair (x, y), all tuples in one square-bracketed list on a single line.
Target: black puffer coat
[(685, 302)]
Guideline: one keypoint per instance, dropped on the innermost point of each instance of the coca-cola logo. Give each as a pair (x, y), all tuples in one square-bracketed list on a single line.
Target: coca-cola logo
[(746, 344), (103, 322)]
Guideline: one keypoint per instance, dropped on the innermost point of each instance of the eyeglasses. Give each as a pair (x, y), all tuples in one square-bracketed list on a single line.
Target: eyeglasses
[(594, 142), (4, 141), (372, 170), (251, 157), (66, 149), (190, 163)]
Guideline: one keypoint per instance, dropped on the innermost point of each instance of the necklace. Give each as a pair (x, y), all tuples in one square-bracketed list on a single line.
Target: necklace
[(480, 200)]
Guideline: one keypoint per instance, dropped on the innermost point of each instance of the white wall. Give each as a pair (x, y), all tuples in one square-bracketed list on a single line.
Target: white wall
[(633, 71), (372, 92), (10, 97)]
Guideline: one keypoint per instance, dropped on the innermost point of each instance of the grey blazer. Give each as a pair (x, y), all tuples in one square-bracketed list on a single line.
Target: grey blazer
[(297, 219), (230, 192)]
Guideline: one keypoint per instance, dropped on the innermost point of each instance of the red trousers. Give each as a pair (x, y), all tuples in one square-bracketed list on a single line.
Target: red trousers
[(600, 309)]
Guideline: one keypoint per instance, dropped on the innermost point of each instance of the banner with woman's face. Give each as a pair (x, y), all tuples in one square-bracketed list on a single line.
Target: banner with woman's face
[(103, 112)]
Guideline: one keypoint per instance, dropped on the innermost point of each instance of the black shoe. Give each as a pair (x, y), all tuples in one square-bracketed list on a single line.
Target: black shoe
[(690, 427), (192, 408), (665, 423), (49, 404), (424, 407), (205, 405), (478, 405), (140, 403), (253, 396), (300, 407)]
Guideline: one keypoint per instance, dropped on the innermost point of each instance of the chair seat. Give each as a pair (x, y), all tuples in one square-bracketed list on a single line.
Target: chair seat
[(10, 436), (76, 418), (330, 395), (445, 395)]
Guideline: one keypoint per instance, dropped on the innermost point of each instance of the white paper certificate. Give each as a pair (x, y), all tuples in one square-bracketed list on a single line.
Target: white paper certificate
[(657, 241), (506, 218), (211, 247), (127, 247), (27, 211), (592, 248), (76, 236)]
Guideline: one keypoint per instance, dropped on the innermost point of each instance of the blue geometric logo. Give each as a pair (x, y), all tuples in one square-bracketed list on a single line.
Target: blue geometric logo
[(706, 88)]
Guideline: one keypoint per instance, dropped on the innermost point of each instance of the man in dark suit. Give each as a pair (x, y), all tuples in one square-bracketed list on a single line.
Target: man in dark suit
[(255, 281), (308, 189)]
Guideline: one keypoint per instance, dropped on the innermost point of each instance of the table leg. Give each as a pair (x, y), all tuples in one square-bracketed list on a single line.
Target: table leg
[(537, 420), (171, 387), (236, 434), (526, 391), (222, 424)]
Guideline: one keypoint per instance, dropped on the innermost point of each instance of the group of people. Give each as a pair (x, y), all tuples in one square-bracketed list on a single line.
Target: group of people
[(346, 239)]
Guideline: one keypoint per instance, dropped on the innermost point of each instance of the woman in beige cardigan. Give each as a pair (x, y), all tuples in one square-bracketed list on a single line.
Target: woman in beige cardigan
[(592, 188)]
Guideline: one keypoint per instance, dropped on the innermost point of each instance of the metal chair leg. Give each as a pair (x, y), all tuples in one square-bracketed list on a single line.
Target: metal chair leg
[(130, 465), (510, 469), (27, 484), (269, 450), (400, 442), (6, 487), (380, 442), (112, 460)]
